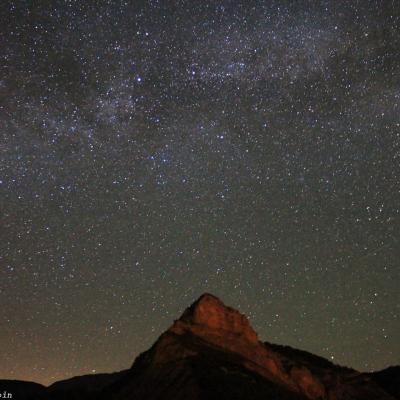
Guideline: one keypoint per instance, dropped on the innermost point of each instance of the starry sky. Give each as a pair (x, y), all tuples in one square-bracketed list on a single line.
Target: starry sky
[(155, 150)]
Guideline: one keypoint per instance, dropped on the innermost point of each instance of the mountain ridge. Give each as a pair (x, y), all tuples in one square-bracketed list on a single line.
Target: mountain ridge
[(212, 351)]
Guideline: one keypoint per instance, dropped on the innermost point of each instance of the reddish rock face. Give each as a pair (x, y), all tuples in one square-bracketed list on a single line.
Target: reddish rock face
[(307, 383), (209, 315), (217, 324)]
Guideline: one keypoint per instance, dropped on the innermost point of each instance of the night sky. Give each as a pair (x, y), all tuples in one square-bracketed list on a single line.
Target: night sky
[(152, 151)]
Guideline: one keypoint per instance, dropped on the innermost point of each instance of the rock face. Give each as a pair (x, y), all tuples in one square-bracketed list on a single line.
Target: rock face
[(212, 352), (210, 320), (209, 316)]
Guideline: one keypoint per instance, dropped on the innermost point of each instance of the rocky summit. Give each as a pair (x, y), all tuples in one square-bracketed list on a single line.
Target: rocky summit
[(209, 316), (212, 352)]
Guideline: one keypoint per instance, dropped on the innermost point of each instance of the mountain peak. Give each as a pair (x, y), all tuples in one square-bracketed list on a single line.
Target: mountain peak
[(206, 302), (209, 315)]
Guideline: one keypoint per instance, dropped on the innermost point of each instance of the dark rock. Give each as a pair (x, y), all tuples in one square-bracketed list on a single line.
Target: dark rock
[(388, 379)]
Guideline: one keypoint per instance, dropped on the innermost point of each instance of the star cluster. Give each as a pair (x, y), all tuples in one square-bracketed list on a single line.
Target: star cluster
[(155, 150)]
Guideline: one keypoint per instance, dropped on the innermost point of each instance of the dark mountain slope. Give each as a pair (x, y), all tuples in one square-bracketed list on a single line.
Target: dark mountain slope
[(389, 379), (85, 386), (22, 390)]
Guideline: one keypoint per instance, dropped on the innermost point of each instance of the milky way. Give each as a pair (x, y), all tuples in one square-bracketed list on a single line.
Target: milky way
[(153, 151)]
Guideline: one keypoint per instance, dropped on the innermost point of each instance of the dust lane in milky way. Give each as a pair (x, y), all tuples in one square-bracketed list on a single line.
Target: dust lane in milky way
[(156, 150)]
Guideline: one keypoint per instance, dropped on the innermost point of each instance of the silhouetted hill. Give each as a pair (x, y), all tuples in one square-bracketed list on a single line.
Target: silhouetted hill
[(212, 352), (83, 386), (21, 389), (389, 379), (304, 357)]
